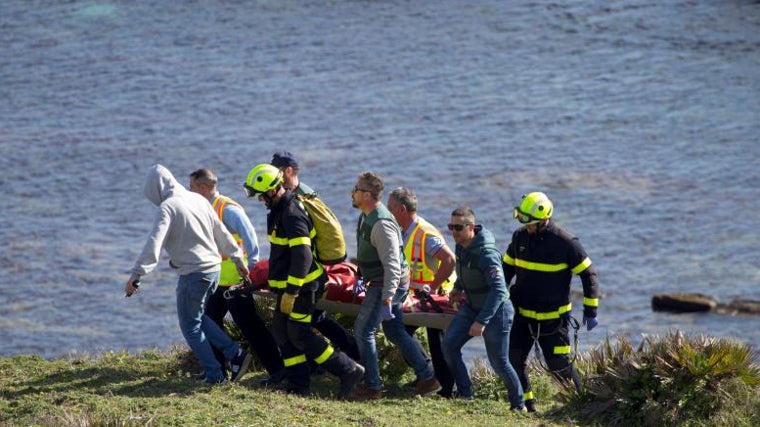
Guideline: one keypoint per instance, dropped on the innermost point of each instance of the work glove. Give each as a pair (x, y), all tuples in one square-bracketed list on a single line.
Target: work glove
[(386, 313), (286, 303), (590, 322)]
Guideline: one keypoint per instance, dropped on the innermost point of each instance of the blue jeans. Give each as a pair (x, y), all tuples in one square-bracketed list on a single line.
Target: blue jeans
[(367, 322), (496, 338), (199, 330)]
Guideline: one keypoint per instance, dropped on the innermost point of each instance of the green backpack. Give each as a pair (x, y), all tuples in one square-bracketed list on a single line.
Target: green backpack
[(329, 244)]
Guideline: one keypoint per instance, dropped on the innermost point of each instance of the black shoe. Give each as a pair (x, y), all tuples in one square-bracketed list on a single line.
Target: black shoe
[(239, 365), (530, 405), (273, 379), (349, 380)]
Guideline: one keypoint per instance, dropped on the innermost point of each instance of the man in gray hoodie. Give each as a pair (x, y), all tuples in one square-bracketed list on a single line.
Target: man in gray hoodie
[(190, 231)]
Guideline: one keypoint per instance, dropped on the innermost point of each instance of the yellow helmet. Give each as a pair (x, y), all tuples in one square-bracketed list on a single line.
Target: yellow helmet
[(261, 179), (534, 207)]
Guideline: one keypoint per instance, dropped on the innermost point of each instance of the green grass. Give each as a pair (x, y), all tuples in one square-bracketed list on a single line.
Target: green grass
[(673, 381)]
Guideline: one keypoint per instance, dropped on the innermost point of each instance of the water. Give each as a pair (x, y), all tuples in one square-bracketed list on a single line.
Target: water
[(640, 120)]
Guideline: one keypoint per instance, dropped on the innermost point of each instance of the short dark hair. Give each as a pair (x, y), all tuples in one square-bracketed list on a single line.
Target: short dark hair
[(204, 176), (466, 213), (373, 183)]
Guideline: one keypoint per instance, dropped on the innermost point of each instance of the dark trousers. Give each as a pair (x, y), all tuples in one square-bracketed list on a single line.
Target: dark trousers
[(245, 316), (300, 346), (442, 372), (336, 333), (553, 339)]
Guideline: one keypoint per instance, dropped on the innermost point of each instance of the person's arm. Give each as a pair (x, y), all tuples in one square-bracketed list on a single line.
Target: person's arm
[(148, 258), (445, 257), (490, 265), (236, 220), (385, 238)]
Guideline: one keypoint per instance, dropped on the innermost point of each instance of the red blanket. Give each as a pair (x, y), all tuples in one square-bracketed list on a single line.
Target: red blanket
[(341, 287)]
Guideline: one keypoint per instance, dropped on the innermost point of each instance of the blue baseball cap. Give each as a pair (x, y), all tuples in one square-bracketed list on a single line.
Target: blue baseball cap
[(283, 159)]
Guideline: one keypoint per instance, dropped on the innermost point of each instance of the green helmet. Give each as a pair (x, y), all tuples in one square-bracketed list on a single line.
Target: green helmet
[(261, 179), (534, 207)]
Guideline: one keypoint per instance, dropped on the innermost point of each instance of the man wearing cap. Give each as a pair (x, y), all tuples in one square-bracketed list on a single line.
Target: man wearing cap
[(327, 326), (543, 258)]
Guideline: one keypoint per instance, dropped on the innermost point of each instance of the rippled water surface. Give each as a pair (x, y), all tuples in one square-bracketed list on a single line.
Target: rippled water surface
[(641, 121)]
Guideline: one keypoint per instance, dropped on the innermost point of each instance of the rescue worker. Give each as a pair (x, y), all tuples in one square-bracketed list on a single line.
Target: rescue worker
[(326, 325), (298, 279), (543, 258), (431, 270), (227, 298), (485, 310)]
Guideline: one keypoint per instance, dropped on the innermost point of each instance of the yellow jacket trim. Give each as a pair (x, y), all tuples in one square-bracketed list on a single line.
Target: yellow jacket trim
[(578, 269), (562, 349), (277, 284), (545, 315), (591, 302), (300, 317), (528, 395), (295, 360), (299, 241), (322, 358), (538, 266), (282, 241)]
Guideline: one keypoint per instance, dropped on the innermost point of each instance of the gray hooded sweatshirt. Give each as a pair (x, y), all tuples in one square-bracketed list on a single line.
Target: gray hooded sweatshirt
[(186, 226)]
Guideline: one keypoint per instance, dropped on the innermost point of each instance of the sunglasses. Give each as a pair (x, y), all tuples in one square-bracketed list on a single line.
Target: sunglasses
[(356, 188), (457, 227)]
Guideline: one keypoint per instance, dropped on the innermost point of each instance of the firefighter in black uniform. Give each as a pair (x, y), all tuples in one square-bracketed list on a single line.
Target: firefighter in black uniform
[(298, 279), (543, 258)]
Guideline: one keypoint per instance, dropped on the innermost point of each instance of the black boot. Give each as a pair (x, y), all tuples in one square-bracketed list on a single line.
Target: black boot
[(349, 372)]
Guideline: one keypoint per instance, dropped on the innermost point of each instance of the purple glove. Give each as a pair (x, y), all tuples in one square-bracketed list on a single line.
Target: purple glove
[(590, 322), (386, 313)]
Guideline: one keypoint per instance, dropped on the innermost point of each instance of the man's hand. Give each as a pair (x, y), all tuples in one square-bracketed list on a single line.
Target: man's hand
[(476, 329), (243, 271), (131, 287), (287, 302), (386, 311)]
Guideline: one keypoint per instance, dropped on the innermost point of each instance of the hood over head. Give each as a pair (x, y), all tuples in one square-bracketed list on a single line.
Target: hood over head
[(160, 184)]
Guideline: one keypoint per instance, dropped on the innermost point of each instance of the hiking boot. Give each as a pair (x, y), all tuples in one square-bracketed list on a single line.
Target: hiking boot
[(530, 405), (424, 387), (363, 392), (298, 391), (349, 380), (239, 365), (273, 379)]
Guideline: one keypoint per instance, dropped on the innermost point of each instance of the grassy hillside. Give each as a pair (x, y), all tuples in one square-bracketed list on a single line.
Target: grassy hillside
[(675, 380)]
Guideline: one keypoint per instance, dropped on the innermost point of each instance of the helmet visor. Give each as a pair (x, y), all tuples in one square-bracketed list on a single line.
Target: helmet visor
[(524, 218), (249, 191)]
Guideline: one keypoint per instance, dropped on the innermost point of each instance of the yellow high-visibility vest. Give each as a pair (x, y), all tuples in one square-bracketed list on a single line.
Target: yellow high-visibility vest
[(422, 265), (229, 275)]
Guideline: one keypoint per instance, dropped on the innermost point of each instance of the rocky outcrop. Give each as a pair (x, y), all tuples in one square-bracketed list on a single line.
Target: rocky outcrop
[(694, 302)]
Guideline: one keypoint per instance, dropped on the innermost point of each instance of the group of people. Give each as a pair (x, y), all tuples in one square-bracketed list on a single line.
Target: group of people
[(212, 244)]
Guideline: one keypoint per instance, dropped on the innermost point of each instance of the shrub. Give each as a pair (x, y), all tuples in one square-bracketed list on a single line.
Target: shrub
[(666, 381)]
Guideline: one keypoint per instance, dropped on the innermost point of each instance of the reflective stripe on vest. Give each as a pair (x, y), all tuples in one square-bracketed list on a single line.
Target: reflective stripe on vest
[(229, 274)]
